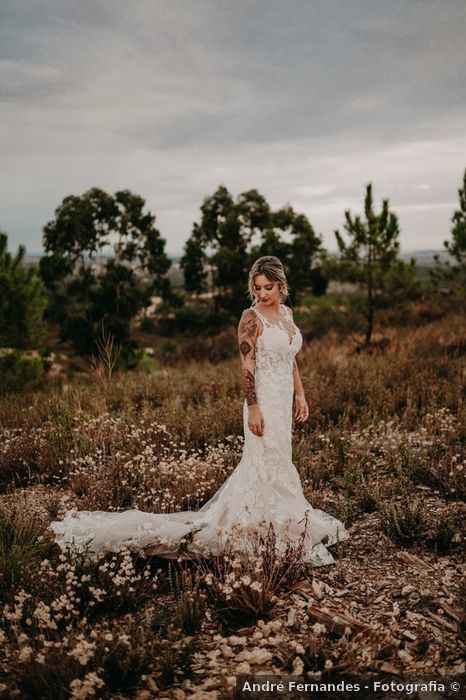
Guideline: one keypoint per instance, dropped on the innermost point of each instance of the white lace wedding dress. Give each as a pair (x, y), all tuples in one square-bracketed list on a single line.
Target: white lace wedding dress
[(264, 487)]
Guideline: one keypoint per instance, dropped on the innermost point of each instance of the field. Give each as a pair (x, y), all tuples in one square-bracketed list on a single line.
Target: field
[(384, 450)]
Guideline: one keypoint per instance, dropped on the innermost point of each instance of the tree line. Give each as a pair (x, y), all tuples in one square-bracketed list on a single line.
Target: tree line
[(83, 292)]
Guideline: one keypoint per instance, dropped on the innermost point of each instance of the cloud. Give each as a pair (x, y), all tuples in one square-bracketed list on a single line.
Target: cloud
[(305, 101)]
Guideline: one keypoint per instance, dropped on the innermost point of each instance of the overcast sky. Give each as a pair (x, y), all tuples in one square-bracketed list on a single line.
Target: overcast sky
[(305, 100)]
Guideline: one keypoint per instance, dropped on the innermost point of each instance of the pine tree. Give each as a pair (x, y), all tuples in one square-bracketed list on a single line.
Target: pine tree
[(23, 300), (449, 271), (457, 246), (371, 256)]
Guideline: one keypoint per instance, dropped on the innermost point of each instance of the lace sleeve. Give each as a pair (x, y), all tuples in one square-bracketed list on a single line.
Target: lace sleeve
[(248, 330)]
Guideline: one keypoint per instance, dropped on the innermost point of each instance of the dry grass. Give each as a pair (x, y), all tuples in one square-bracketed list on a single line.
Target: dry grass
[(384, 450)]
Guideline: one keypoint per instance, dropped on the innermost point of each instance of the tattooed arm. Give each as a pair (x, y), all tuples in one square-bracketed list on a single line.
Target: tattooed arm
[(248, 331), (247, 334)]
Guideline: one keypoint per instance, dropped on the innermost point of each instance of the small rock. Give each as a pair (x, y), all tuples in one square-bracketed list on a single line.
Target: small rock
[(318, 589), (406, 590), (298, 666), (291, 617), (409, 635), (244, 667)]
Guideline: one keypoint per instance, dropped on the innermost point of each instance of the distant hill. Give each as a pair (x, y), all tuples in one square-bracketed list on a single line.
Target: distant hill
[(31, 258), (426, 257), (423, 256)]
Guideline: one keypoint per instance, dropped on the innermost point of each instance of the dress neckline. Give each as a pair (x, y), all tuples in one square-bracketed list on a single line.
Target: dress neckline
[(267, 321), (280, 323)]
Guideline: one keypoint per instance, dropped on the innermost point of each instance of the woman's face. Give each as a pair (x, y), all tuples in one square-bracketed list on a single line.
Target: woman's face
[(267, 291)]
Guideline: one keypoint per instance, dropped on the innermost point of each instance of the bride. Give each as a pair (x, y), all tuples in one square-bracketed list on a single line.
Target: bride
[(265, 488)]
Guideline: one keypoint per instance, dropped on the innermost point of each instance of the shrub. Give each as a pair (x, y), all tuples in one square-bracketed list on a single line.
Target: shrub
[(23, 300), (20, 371), (190, 606), (328, 314), (243, 586), (193, 321), (404, 522), (21, 548), (147, 325)]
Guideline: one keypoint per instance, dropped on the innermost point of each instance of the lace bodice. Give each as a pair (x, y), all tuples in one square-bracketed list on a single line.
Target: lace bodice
[(276, 348)]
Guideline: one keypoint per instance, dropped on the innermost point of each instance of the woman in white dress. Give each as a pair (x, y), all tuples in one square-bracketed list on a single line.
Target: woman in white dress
[(265, 487)]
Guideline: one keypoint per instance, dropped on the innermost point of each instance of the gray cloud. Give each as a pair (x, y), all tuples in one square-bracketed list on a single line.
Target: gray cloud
[(307, 101)]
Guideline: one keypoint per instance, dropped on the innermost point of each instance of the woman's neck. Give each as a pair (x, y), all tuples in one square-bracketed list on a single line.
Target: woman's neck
[(273, 309)]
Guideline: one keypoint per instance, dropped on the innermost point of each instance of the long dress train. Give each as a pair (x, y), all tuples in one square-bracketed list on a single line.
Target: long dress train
[(264, 488)]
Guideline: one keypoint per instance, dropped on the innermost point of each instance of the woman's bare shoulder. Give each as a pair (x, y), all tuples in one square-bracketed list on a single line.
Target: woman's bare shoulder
[(248, 314), (249, 321)]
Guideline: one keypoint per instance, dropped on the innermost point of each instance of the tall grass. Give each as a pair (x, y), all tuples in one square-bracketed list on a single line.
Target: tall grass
[(385, 442)]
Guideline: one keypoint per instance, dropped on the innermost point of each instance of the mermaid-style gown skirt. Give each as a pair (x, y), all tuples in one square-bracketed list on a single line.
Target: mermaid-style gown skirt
[(264, 488)]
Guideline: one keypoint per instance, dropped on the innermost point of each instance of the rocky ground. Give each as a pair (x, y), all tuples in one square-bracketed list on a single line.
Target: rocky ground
[(381, 611)]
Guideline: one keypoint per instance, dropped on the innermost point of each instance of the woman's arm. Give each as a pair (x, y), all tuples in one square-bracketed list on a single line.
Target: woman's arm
[(247, 334), (298, 385), (301, 407), (248, 330)]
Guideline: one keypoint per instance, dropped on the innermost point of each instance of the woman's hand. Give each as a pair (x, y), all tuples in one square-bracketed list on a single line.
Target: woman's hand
[(301, 408), (255, 420)]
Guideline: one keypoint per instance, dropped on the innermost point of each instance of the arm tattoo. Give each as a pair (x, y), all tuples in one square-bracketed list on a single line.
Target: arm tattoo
[(246, 348), (250, 387), (247, 333)]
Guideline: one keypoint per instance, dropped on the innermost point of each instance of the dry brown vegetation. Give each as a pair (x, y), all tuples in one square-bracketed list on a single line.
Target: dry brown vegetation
[(384, 450)]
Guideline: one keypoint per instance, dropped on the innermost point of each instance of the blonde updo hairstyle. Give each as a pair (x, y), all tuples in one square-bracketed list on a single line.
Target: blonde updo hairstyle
[(273, 269)]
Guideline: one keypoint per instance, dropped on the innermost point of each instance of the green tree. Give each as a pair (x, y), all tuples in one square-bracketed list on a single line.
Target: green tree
[(371, 257), (233, 233), (88, 290), (225, 233), (297, 252), (319, 281), (457, 246), (23, 300), (304, 248), (454, 271), (193, 263)]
